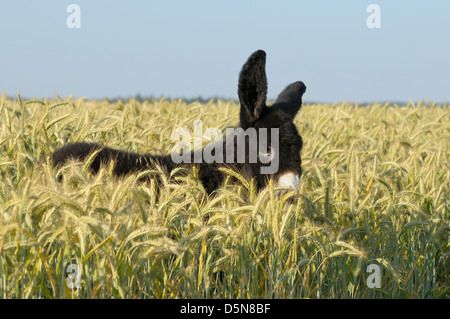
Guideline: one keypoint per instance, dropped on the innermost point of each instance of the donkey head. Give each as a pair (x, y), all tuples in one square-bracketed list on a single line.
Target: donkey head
[(278, 149)]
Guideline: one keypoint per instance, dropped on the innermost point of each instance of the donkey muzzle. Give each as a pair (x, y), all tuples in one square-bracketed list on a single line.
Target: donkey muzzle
[(289, 180)]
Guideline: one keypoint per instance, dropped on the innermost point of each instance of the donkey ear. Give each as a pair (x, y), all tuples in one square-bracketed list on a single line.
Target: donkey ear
[(290, 99), (252, 88)]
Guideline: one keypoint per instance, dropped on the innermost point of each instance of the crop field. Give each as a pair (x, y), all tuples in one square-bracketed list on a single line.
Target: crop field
[(375, 194)]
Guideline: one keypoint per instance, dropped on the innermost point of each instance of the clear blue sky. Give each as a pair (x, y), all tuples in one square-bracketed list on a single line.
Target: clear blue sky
[(196, 48)]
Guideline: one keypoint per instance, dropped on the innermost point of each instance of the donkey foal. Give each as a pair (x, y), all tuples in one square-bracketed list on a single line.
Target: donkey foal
[(254, 114)]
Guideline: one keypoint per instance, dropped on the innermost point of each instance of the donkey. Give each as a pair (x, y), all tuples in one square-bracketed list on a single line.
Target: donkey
[(254, 115)]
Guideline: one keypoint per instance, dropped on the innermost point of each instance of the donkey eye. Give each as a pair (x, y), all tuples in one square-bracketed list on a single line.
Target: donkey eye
[(266, 157)]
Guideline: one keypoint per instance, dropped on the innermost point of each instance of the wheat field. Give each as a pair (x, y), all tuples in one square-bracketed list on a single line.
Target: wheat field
[(375, 190)]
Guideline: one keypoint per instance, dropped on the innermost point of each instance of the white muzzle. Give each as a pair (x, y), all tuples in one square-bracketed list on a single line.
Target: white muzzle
[(289, 180)]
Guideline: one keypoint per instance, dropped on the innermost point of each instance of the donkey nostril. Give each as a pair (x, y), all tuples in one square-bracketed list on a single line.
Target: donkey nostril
[(289, 180)]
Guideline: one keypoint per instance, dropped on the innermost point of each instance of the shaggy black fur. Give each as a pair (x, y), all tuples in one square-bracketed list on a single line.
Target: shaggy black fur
[(252, 91)]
